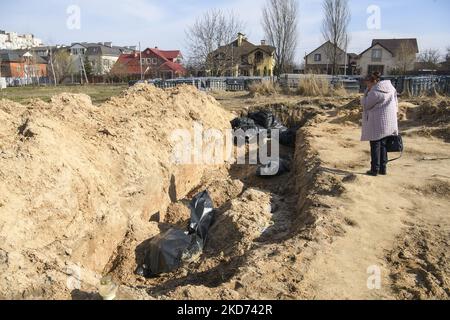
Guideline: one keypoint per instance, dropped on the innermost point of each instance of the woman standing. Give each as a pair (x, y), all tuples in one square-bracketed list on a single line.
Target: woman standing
[(379, 120)]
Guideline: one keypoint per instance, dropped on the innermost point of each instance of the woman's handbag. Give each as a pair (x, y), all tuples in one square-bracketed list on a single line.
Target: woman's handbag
[(395, 144)]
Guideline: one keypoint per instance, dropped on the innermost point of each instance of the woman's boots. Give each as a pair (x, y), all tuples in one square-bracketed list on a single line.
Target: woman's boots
[(374, 173)]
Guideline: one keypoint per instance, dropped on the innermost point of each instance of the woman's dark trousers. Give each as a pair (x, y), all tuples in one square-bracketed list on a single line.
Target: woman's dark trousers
[(379, 155)]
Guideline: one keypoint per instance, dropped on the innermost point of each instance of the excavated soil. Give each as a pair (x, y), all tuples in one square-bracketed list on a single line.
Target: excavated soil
[(76, 178), (84, 188)]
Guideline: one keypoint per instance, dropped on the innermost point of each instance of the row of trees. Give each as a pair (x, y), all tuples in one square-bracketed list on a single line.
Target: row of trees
[(215, 29), (432, 58), (62, 66), (335, 30)]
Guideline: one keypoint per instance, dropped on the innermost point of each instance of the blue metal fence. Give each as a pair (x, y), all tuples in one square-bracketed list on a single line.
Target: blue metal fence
[(414, 85), (213, 83), (421, 85)]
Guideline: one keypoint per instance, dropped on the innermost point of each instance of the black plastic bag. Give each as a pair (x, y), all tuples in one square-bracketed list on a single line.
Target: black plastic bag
[(264, 119), (288, 137), (165, 252), (202, 215), (248, 132), (168, 250), (274, 168), (240, 123)]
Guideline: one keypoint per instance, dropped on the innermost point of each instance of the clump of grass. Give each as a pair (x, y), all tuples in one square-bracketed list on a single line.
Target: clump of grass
[(312, 86), (433, 93), (265, 88), (339, 90)]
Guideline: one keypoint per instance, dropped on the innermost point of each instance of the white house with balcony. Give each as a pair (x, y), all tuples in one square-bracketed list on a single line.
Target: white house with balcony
[(102, 56)]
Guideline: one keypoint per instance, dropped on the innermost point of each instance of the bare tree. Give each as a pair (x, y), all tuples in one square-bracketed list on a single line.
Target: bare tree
[(335, 29), (405, 57), (212, 30), (62, 64), (118, 71), (280, 22), (430, 58)]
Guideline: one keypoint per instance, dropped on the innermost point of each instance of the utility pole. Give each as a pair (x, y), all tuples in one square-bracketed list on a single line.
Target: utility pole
[(232, 60), (346, 57), (306, 62), (83, 69)]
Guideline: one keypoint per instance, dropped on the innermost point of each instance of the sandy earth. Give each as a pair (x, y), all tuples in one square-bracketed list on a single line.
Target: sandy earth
[(399, 223), (91, 192)]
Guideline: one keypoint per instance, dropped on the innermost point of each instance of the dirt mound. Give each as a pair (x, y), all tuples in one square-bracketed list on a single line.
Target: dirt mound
[(351, 112), (433, 112), (439, 132), (417, 112), (248, 217), (75, 178)]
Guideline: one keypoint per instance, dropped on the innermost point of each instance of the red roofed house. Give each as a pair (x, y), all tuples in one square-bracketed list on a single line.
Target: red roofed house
[(155, 64)]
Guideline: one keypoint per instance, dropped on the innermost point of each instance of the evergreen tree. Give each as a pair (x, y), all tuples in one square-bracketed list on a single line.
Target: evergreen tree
[(87, 67)]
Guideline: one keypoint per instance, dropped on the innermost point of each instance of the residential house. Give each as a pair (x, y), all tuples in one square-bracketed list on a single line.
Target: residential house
[(242, 58), (152, 63), (389, 56), (352, 67), (102, 56), (22, 67), (425, 68), (320, 60), (45, 52)]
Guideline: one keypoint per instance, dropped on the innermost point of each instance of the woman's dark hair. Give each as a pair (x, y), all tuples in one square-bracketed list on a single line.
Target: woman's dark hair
[(374, 77)]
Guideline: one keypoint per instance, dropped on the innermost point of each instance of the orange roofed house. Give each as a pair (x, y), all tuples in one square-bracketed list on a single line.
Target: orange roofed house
[(156, 64), (22, 67)]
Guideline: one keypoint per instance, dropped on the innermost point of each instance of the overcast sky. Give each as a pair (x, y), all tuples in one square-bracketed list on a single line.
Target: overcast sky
[(162, 23)]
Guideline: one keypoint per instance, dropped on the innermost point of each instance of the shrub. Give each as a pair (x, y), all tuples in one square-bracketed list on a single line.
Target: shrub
[(313, 86), (265, 88)]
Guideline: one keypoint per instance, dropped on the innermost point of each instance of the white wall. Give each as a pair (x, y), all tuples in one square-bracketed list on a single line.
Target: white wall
[(387, 60), (2, 83), (13, 41), (325, 51), (102, 65)]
